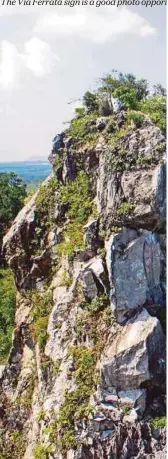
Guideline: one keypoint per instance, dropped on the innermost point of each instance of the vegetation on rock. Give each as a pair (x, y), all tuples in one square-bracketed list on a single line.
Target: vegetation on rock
[(42, 305), (12, 195), (7, 312)]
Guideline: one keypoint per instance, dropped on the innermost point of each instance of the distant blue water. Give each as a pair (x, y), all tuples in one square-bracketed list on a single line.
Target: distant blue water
[(28, 171)]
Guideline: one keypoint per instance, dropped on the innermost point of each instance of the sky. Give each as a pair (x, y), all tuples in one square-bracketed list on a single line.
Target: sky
[(50, 55)]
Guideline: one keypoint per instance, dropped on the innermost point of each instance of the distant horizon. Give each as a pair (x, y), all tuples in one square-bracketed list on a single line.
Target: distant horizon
[(26, 161)]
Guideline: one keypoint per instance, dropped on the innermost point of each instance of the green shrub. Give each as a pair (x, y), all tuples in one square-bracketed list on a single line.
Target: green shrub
[(90, 102), (125, 209), (7, 312), (159, 422), (97, 304), (155, 107), (40, 331), (41, 451), (128, 96), (42, 305), (66, 280), (77, 195), (83, 128), (40, 414), (76, 403), (135, 116), (12, 195), (13, 446), (73, 239)]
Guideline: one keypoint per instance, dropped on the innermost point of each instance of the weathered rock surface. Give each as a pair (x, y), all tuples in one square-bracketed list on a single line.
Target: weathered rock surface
[(136, 354), (138, 179), (99, 377), (134, 265)]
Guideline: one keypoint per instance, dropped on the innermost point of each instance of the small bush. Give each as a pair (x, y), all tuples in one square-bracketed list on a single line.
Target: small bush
[(135, 116), (155, 107), (159, 422), (125, 209), (7, 312), (41, 451), (73, 239), (42, 305), (97, 304), (77, 195), (13, 446)]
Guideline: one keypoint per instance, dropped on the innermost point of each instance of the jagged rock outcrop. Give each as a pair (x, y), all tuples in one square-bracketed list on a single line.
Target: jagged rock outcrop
[(86, 373)]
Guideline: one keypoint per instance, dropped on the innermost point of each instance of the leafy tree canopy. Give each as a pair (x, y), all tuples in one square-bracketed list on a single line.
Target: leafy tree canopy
[(12, 195)]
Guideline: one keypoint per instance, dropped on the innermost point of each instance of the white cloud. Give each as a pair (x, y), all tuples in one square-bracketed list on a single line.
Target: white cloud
[(98, 25), (35, 59)]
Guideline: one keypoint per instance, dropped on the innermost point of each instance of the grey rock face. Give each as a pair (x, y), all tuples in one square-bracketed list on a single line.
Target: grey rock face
[(69, 168), (134, 265), (136, 354), (94, 278), (101, 123), (90, 233), (137, 179), (117, 105)]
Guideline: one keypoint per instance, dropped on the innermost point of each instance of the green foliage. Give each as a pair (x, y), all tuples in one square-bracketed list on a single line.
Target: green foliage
[(40, 414), (41, 451), (135, 116), (73, 239), (125, 86), (13, 446), (12, 195), (90, 102), (126, 408), (125, 209), (40, 331), (128, 96), (155, 107), (66, 280), (97, 304), (76, 403), (80, 111), (76, 406), (77, 195), (159, 422), (45, 201), (7, 312), (42, 305), (83, 128)]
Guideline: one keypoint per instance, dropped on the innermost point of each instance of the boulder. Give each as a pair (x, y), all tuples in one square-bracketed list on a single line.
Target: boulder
[(90, 289), (101, 123), (136, 354), (134, 265), (133, 172), (94, 278), (117, 105), (69, 168)]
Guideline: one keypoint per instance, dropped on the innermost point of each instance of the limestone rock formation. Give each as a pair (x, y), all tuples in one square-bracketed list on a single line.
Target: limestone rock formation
[(85, 378)]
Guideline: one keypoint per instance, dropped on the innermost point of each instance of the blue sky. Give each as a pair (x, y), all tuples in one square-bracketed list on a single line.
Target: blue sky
[(51, 55)]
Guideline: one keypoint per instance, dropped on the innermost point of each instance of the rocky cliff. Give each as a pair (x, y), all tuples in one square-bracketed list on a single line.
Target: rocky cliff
[(85, 377)]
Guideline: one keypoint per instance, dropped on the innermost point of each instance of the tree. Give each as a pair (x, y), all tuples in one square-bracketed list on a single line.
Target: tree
[(12, 195), (125, 86), (159, 90), (128, 96), (90, 102)]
